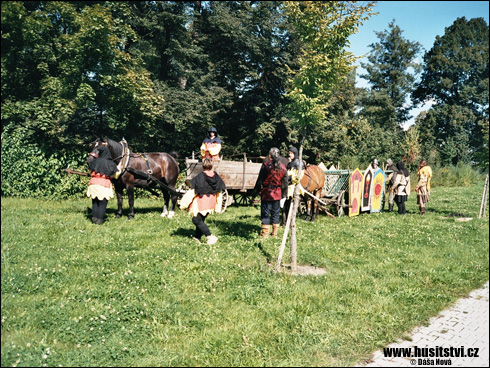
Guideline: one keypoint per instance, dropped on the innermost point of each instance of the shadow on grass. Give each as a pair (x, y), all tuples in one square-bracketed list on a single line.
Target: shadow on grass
[(111, 212), (185, 233), (239, 229), (449, 213), (266, 254)]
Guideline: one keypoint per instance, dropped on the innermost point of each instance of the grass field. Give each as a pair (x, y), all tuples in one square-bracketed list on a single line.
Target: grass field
[(143, 293)]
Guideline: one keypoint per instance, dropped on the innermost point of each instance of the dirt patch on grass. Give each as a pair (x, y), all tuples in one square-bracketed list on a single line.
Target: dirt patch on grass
[(304, 270)]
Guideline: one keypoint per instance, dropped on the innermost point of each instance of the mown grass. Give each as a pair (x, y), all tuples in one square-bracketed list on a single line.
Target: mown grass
[(142, 293)]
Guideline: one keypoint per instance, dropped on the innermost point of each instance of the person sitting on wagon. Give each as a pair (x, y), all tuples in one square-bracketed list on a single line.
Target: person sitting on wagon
[(211, 146)]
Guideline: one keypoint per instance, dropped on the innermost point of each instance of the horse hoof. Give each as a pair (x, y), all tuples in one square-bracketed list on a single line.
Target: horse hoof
[(130, 217), (170, 214), (163, 215), (118, 215)]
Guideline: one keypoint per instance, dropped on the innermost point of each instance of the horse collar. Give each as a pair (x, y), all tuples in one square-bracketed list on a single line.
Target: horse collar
[(123, 164)]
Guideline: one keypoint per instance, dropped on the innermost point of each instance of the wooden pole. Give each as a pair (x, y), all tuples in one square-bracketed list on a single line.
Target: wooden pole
[(484, 197), (291, 221), (284, 239), (293, 252)]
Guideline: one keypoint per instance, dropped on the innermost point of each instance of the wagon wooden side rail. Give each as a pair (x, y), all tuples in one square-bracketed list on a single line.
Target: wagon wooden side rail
[(238, 176), (336, 190)]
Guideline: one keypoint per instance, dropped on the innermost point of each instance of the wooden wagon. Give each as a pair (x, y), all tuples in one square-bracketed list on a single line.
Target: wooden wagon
[(335, 191), (238, 176), (334, 195)]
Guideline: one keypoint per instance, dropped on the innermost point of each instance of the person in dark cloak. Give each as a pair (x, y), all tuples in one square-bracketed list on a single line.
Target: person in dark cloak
[(204, 198), (102, 169), (211, 146)]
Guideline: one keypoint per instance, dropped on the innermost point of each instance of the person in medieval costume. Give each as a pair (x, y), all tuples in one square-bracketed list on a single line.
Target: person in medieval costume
[(424, 174), (211, 146), (204, 198), (390, 180), (102, 169), (401, 187), (270, 182), (293, 178)]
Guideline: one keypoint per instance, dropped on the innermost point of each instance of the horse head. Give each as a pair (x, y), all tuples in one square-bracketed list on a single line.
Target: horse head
[(94, 150), (114, 148)]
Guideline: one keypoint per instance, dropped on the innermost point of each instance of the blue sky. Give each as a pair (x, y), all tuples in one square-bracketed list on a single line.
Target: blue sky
[(420, 21)]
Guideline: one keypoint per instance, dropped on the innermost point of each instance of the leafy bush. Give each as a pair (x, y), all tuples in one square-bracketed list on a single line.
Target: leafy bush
[(456, 176), (28, 171)]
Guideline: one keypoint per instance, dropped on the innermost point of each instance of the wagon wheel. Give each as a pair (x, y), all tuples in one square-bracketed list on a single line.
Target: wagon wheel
[(243, 199), (226, 199), (303, 206), (341, 204)]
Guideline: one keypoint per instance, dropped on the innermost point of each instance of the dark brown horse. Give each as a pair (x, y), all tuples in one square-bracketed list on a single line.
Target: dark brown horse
[(312, 181), (139, 170)]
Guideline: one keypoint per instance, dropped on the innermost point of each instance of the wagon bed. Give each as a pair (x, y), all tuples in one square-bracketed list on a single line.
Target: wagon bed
[(238, 176)]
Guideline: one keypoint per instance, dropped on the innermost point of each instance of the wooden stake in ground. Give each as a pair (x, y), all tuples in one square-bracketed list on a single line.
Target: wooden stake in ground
[(291, 222), (484, 197)]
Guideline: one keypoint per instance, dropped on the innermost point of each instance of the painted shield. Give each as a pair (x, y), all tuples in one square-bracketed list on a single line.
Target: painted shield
[(377, 190), (355, 192), (367, 184)]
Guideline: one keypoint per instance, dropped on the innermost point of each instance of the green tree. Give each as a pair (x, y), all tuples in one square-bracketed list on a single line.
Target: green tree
[(323, 29), (392, 71), (249, 44), (455, 77), (383, 140), (66, 73), (411, 148)]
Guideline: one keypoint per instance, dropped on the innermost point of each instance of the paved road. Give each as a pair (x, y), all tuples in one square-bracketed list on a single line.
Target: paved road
[(466, 324)]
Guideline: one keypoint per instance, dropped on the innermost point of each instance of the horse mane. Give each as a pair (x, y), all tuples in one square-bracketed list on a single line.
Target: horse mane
[(114, 147), (175, 155)]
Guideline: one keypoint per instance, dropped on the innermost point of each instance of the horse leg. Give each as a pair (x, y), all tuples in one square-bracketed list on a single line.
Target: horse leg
[(314, 209), (166, 199), (119, 194), (308, 209), (172, 208), (130, 191)]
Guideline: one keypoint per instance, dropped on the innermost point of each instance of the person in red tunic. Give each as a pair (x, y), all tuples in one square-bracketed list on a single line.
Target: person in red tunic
[(206, 190), (100, 186), (272, 178)]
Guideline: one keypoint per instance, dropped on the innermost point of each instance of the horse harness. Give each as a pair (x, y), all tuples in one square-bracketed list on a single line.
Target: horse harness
[(123, 164), (149, 172), (307, 173)]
